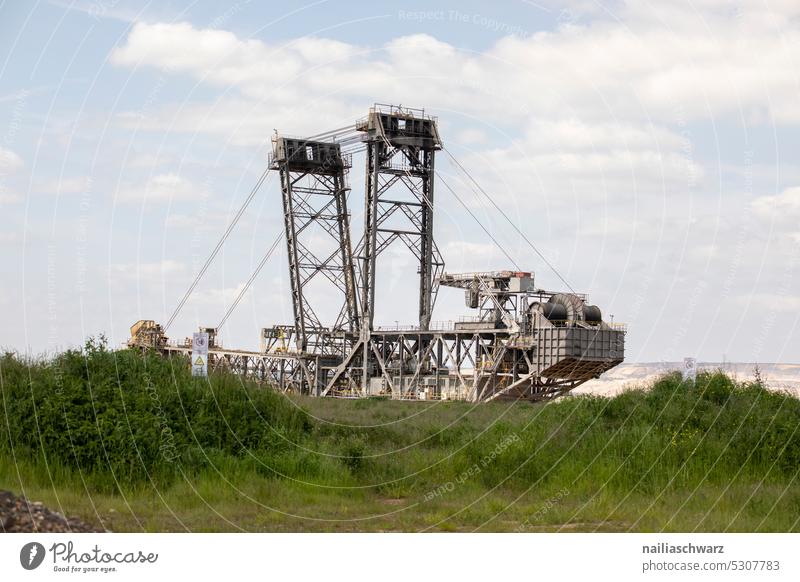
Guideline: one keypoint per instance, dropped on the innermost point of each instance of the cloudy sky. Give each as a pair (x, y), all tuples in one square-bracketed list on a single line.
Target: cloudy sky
[(649, 150)]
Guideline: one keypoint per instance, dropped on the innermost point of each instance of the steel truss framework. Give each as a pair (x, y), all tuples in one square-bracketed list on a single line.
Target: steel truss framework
[(475, 365), (398, 204), (508, 351), (288, 371), (314, 193), (478, 366)]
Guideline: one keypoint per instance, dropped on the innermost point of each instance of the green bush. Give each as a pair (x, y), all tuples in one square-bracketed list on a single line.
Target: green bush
[(122, 417)]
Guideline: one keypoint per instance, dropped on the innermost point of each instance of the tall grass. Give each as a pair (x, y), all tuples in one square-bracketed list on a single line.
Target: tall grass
[(116, 421)]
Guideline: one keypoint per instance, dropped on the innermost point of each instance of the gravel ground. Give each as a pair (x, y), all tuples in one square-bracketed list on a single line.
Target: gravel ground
[(17, 514)]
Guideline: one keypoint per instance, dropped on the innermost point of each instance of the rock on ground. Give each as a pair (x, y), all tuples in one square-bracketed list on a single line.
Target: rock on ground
[(17, 514)]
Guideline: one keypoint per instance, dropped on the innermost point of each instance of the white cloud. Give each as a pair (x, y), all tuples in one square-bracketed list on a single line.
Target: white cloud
[(149, 160), (240, 121), (471, 136), (223, 296), (771, 302), (9, 161), (601, 105), (9, 197), (70, 185), (210, 222), (148, 271), (783, 208), (576, 134), (645, 166), (219, 57), (163, 188), (603, 70), (182, 221)]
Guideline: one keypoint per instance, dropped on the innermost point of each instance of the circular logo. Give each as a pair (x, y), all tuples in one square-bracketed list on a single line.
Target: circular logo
[(31, 555)]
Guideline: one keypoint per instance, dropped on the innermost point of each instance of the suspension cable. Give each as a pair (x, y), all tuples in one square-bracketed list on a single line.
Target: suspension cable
[(333, 133), (217, 248), (477, 220), (347, 133), (252, 278), (511, 222), (255, 273)]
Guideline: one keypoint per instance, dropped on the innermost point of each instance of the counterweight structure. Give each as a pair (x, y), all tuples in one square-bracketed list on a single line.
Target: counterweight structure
[(521, 342)]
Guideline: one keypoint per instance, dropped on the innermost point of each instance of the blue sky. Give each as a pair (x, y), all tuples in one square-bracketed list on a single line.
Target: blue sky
[(649, 150)]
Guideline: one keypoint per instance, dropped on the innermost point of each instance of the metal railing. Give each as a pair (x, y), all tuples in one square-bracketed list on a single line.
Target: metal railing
[(344, 159), (447, 325), (588, 324)]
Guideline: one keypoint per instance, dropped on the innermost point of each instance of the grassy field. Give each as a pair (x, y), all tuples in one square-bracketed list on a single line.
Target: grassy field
[(133, 443)]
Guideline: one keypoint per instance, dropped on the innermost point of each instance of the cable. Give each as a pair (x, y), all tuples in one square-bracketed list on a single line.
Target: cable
[(514, 226), (217, 248), (255, 273), (475, 218), (252, 278), (333, 132), (354, 150)]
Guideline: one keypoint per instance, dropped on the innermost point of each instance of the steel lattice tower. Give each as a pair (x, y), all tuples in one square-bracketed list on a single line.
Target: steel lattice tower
[(401, 145), (314, 191)]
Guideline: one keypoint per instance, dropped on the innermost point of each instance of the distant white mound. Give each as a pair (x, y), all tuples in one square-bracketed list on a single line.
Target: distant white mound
[(625, 376)]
